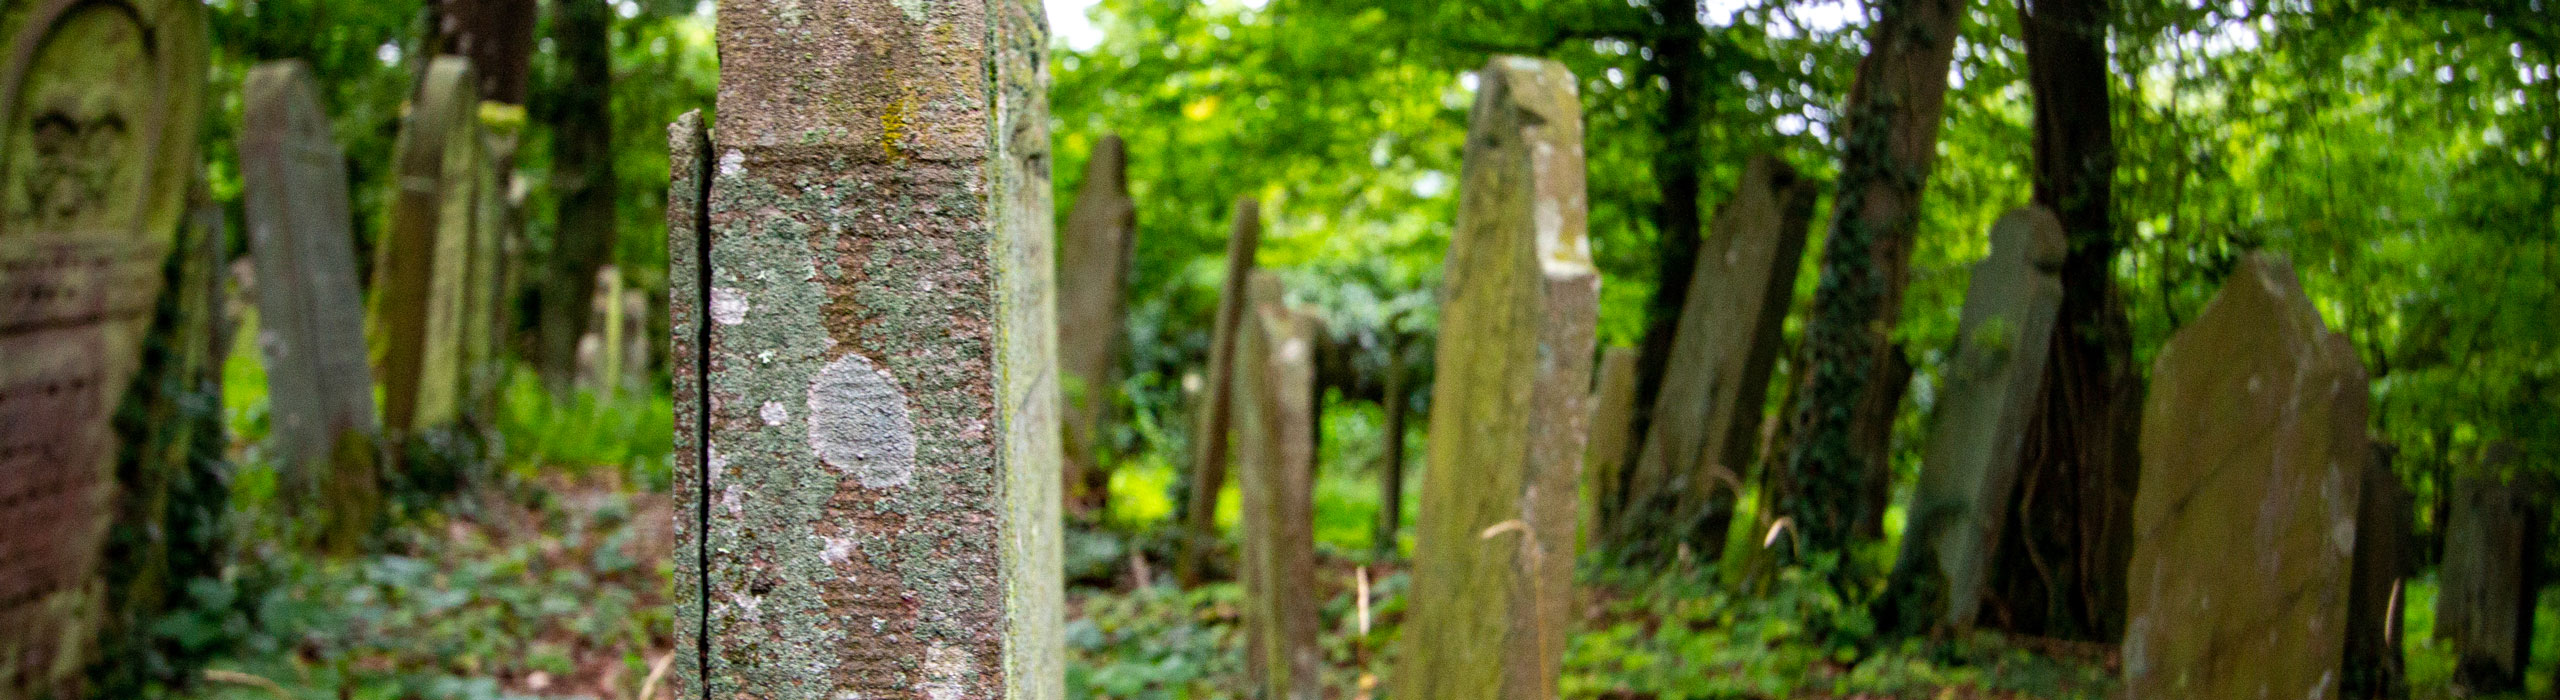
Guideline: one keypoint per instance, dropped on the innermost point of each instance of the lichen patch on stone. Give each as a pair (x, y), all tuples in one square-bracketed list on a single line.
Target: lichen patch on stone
[(859, 423), (728, 306)]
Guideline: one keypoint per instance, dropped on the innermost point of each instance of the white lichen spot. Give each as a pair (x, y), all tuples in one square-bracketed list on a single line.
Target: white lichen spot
[(728, 306), (946, 669), (859, 424), (733, 163), (730, 501), (773, 413), (836, 550), (915, 9)]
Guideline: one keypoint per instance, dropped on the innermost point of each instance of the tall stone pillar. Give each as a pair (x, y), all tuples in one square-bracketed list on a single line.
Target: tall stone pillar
[(870, 407)]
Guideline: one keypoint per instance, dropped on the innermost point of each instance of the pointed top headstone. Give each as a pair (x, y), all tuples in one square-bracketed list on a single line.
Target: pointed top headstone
[(1494, 542), (2253, 452)]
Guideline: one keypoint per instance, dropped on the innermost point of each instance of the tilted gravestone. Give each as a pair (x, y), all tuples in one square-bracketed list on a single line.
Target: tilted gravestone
[(1978, 434), (422, 269), (1275, 474), (2253, 450), (2374, 665), (1209, 436), (1705, 422), (310, 313), (1493, 555), (1613, 408), (1093, 272), (2485, 599), (98, 109), (872, 401)]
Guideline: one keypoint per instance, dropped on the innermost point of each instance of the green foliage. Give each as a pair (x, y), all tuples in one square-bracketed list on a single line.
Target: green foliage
[(567, 588)]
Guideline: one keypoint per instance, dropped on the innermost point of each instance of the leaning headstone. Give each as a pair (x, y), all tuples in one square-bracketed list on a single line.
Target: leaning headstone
[(1493, 555), (1977, 437), (1275, 457), (2485, 599), (1613, 408), (1705, 422), (876, 509), (311, 322), (1209, 436), (2253, 450), (422, 269), (97, 150), (1093, 271), (2374, 665)]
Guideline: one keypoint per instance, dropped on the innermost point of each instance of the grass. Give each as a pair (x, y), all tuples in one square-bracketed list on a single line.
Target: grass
[(553, 582)]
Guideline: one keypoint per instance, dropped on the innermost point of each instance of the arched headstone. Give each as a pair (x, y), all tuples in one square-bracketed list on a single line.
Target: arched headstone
[(422, 270), (310, 313), (98, 118)]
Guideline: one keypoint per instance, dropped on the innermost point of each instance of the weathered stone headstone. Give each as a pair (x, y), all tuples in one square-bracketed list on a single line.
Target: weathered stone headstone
[(613, 355), (1976, 438), (2253, 450), (482, 283), (1613, 408), (1093, 271), (422, 269), (873, 382), (2485, 599), (1493, 556), (98, 109), (1209, 437), (1705, 422), (2374, 664), (310, 313), (688, 332), (1275, 458)]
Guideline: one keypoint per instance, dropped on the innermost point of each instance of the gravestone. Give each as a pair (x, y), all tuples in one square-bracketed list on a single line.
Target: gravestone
[(1977, 435), (1493, 554), (1705, 421), (310, 313), (98, 105), (1275, 458), (2485, 602), (2253, 450), (873, 482), (688, 332), (1613, 408), (613, 354), (422, 269), (2374, 665), (1209, 437), (1093, 273), (482, 283)]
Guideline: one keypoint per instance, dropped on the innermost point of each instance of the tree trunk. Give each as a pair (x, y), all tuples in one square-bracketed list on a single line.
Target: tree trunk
[(582, 174), (2062, 563), (497, 35), (1676, 53), (1891, 129)]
